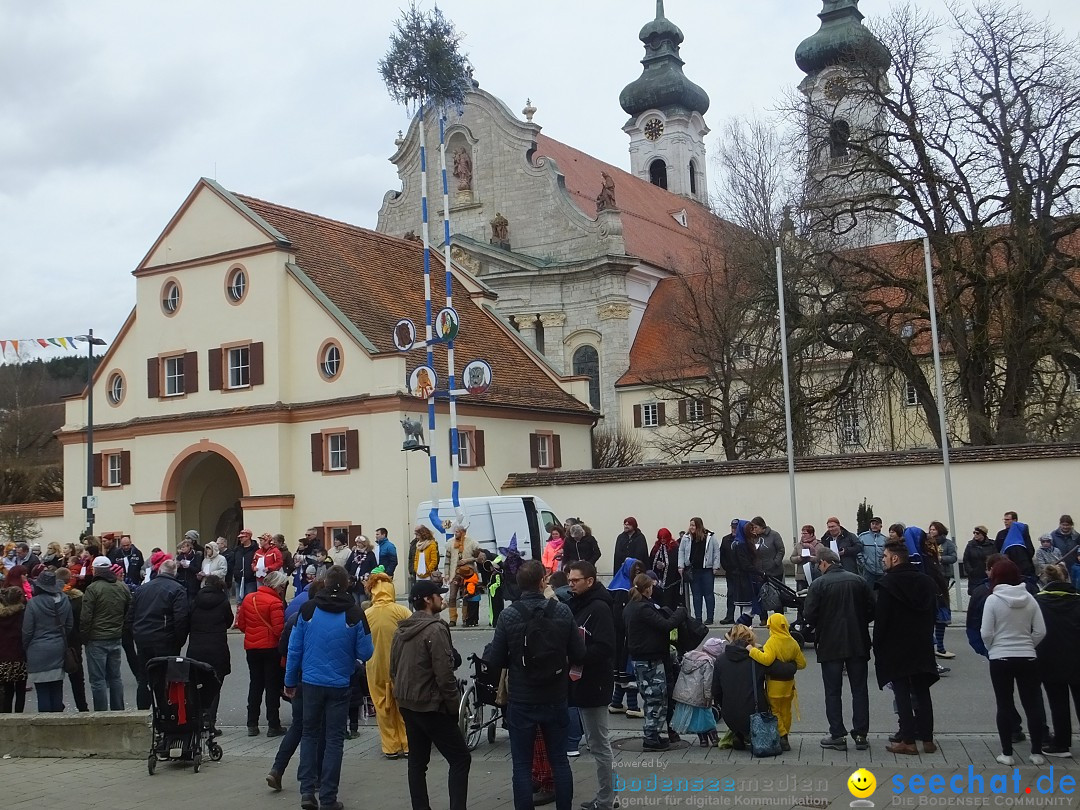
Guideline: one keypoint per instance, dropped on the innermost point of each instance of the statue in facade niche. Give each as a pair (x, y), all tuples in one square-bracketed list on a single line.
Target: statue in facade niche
[(606, 198), (500, 230), (463, 169)]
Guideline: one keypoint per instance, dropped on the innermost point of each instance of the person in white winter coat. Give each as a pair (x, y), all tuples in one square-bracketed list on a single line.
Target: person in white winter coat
[(213, 562), (1012, 627)]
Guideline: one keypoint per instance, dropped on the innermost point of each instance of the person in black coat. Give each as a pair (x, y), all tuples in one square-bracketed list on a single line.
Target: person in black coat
[(579, 545), (1059, 654), (904, 646), (208, 639), (631, 543), (591, 605), (727, 562), (737, 683), (189, 564), (242, 559), (648, 628)]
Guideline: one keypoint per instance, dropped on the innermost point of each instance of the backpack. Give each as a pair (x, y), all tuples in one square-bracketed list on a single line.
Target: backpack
[(769, 596), (694, 684), (543, 658)]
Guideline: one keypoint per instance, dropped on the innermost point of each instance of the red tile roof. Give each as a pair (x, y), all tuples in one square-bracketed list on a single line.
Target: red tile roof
[(649, 229), (663, 348), (375, 280)]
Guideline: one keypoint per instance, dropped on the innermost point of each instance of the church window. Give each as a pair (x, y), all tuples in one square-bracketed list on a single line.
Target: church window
[(850, 432), (587, 364), (839, 139), (693, 178), (539, 332), (911, 395), (658, 173)]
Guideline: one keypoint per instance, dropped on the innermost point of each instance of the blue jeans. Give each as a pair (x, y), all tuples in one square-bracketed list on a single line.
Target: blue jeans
[(326, 715), (290, 741), (701, 587), (50, 697), (523, 719), (103, 666), (574, 731)]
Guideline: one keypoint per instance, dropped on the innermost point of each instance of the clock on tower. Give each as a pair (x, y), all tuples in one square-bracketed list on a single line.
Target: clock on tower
[(654, 128)]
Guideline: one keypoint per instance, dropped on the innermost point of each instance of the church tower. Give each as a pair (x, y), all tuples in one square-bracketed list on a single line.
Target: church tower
[(846, 76), (666, 127)]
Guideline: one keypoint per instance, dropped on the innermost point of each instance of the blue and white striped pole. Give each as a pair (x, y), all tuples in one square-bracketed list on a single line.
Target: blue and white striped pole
[(433, 516), (454, 487)]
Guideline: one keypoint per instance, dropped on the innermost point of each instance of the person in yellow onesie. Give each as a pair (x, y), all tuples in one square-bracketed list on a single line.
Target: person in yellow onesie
[(782, 655), (383, 617)]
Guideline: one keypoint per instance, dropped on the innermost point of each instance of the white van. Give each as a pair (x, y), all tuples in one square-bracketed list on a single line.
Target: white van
[(492, 521)]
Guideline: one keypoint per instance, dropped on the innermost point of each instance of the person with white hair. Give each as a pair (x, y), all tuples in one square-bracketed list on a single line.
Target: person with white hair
[(213, 563), (462, 550)]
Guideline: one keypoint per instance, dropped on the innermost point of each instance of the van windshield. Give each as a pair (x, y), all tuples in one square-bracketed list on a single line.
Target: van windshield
[(549, 519)]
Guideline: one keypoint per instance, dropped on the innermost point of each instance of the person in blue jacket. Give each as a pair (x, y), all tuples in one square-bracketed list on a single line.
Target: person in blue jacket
[(386, 552), (330, 637)]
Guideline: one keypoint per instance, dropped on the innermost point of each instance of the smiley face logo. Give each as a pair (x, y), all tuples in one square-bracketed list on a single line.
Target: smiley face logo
[(862, 784)]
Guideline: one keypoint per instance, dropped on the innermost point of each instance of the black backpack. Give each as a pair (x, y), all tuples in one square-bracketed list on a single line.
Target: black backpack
[(543, 657)]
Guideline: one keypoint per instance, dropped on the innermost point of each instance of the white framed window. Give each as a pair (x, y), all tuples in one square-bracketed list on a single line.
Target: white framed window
[(695, 410), (1074, 382), (850, 433), (238, 360), (742, 351), (237, 285), (170, 297), (543, 452), (466, 454), (911, 396), (337, 454), (330, 363), (115, 475), (174, 375), (650, 415), (116, 388)]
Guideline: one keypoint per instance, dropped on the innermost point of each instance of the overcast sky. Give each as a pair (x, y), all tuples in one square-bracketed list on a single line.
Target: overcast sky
[(111, 110)]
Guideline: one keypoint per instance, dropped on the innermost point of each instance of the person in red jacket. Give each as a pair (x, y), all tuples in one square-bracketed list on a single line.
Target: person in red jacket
[(268, 558), (261, 618)]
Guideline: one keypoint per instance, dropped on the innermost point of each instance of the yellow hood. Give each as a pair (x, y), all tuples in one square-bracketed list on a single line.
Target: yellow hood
[(778, 625), (382, 590)]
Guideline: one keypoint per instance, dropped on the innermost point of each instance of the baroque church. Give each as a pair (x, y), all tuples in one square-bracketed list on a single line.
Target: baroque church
[(585, 257)]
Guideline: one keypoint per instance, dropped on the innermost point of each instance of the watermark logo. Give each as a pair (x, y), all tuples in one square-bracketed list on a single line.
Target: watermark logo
[(862, 784)]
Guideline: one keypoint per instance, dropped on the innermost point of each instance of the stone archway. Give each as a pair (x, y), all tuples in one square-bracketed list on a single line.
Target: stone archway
[(207, 484)]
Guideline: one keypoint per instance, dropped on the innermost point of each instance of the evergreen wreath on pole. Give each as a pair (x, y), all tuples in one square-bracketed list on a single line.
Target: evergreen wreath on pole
[(424, 66)]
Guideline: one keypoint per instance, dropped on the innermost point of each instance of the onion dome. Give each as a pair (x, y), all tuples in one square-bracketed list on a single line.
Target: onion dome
[(841, 40), (662, 84)]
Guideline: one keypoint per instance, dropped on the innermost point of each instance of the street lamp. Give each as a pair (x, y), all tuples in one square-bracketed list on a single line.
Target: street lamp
[(88, 500)]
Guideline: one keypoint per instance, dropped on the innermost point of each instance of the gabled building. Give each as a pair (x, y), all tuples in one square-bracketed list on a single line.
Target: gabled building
[(256, 383)]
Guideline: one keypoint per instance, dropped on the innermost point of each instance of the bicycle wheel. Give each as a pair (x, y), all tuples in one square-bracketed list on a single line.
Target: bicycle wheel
[(471, 718)]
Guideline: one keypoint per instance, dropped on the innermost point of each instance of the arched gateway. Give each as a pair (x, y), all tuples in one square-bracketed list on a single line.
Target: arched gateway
[(207, 482)]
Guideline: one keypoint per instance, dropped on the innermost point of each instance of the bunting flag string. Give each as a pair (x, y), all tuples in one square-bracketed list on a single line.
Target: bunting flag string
[(18, 349)]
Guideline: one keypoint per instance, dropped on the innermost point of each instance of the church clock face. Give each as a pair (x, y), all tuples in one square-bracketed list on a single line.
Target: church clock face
[(835, 88), (654, 128)]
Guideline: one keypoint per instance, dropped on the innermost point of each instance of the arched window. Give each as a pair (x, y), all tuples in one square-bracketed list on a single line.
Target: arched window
[(587, 364), (693, 178), (658, 173), (839, 139)]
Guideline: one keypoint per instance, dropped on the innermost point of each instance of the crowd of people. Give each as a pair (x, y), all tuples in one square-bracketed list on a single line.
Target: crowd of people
[(574, 649)]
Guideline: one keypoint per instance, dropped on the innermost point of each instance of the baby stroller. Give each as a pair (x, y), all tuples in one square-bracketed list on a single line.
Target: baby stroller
[(777, 595), (182, 691)]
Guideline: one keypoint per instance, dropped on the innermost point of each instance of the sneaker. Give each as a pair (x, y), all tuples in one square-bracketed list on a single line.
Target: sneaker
[(275, 731), (635, 713), (944, 654), (835, 743), (861, 743), (943, 670), (253, 731), (655, 744), (394, 755), (309, 802), (1005, 759), (1036, 759), (902, 748), (1019, 736), (574, 753), (273, 779), (616, 708), (1056, 751)]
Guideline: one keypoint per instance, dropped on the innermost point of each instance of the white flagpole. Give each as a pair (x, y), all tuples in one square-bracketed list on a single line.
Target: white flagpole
[(787, 397)]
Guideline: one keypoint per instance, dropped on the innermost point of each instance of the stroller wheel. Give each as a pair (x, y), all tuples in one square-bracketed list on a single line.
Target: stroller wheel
[(151, 763), (798, 638), (197, 762), (216, 753)]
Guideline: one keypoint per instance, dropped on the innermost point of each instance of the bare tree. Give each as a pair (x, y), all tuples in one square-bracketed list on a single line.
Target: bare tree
[(615, 447), (976, 147), (19, 527)]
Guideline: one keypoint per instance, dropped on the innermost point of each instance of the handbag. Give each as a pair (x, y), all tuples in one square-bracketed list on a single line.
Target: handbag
[(764, 731)]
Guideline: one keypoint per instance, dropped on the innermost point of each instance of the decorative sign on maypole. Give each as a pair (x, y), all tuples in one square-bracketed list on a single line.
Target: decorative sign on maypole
[(424, 69)]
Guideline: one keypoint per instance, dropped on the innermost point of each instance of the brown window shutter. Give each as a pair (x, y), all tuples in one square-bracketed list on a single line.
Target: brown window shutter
[(660, 419), (478, 448), (556, 452), (637, 416), (706, 408), (214, 362), (98, 470), (153, 369), (534, 451), (352, 449), (191, 372), (255, 361), (316, 452), (682, 411), (355, 531), (125, 467)]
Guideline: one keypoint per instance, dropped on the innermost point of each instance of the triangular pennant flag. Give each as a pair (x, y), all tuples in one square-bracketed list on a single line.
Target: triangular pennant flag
[(54, 341), (43, 343), (71, 341), (63, 343), (3, 347), (15, 346)]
